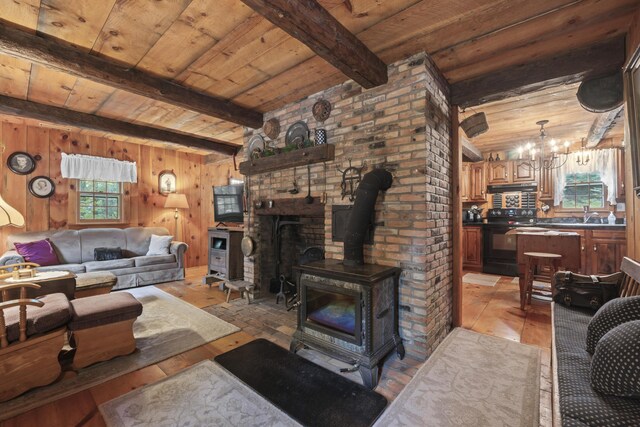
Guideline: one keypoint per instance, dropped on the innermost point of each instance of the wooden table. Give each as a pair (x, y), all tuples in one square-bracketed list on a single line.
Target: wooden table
[(65, 284), (566, 244)]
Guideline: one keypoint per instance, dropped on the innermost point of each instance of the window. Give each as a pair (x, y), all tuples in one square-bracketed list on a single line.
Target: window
[(583, 189), (100, 201)]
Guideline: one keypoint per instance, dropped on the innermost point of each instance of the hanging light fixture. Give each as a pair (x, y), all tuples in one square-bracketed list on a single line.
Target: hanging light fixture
[(583, 155), (8, 214), (537, 157)]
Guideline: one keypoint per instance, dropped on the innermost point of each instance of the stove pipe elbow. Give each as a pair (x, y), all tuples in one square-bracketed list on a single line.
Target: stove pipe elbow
[(366, 194)]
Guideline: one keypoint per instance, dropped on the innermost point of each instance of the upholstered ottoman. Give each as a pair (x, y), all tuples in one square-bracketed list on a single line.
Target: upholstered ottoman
[(94, 283), (101, 327)]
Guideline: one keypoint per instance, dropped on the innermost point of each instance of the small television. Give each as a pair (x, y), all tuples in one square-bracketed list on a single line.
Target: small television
[(227, 203)]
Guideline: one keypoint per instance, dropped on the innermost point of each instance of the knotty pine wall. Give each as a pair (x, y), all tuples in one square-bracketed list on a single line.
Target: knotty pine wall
[(142, 204)]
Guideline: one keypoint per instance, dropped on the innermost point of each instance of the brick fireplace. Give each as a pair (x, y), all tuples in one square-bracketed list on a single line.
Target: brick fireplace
[(404, 127)]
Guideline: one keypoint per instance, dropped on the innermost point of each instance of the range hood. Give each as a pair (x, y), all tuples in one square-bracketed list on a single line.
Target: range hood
[(512, 188)]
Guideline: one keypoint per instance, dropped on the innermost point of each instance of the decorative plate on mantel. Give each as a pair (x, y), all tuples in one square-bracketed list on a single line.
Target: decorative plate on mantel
[(297, 134), (255, 147)]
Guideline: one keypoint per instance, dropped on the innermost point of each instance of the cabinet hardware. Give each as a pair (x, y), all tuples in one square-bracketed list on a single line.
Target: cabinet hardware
[(595, 248), (582, 248)]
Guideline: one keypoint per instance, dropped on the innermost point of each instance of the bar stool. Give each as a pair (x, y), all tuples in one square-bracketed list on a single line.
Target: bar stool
[(535, 260)]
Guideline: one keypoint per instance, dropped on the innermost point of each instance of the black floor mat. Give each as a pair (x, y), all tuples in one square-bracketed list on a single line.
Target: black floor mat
[(308, 393)]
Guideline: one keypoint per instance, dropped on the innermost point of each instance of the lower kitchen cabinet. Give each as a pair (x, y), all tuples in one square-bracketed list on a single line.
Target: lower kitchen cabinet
[(472, 247), (602, 250)]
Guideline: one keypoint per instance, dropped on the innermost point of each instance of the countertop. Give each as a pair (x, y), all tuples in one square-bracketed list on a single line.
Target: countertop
[(566, 226)]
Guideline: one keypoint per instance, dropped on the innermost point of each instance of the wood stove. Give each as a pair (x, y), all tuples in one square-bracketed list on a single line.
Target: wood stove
[(350, 313)]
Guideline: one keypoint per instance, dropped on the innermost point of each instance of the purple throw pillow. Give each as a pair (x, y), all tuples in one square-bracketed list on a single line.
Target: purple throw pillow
[(41, 252)]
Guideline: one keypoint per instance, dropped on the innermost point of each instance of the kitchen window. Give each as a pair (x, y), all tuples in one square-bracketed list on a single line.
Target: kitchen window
[(99, 201), (584, 189)]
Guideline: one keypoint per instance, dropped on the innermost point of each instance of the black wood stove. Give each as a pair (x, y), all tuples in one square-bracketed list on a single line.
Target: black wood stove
[(350, 313)]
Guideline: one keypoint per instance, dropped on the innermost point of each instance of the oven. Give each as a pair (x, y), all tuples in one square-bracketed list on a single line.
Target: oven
[(499, 248)]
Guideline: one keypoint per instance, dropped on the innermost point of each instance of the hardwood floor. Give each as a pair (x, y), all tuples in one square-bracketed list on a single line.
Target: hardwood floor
[(489, 310)]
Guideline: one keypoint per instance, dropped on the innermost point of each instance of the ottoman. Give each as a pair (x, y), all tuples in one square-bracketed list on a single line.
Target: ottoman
[(101, 327), (94, 283)]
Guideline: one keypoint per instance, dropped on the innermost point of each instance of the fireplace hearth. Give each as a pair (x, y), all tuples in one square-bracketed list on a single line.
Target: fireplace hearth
[(350, 313)]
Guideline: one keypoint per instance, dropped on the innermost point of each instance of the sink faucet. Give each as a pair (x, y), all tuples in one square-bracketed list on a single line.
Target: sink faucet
[(588, 215)]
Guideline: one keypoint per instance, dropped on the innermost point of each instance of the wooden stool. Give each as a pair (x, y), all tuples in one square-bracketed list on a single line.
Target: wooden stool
[(536, 260), (239, 286)]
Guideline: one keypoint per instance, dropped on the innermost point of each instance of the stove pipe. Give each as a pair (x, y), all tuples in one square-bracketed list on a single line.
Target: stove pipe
[(366, 195)]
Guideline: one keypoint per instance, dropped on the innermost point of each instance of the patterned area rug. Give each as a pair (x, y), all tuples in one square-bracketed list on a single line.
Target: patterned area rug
[(471, 380), (167, 326), (202, 395), (480, 279)]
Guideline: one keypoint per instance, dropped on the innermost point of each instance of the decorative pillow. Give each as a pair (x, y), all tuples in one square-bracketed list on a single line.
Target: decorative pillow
[(159, 245), (104, 254), (613, 313), (41, 252), (615, 367)]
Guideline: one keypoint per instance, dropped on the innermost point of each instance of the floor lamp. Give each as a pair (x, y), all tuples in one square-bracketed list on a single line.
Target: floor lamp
[(176, 201)]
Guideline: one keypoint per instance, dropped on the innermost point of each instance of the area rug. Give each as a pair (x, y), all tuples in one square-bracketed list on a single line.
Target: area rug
[(480, 279), (472, 380), (201, 395), (167, 326), (308, 393)]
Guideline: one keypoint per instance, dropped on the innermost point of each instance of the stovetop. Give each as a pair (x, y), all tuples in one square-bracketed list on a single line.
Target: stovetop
[(514, 216)]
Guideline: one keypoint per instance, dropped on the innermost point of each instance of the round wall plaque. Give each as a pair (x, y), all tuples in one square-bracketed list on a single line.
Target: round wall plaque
[(271, 128), (321, 110)]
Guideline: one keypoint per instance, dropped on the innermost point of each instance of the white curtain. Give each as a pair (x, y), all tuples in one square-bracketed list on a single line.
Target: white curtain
[(79, 166), (602, 161)]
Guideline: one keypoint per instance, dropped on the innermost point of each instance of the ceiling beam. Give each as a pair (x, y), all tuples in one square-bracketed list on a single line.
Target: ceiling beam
[(63, 116), (68, 59), (314, 26), (601, 125), (564, 68), (470, 151)]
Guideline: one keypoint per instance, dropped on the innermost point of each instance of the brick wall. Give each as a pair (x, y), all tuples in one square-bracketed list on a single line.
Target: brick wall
[(403, 126)]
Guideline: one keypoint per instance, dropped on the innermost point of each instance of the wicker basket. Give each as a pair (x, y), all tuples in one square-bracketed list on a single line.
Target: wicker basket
[(475, 125)]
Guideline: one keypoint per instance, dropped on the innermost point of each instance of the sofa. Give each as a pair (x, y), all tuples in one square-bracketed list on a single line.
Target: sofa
[(75, 250), (575, 401)]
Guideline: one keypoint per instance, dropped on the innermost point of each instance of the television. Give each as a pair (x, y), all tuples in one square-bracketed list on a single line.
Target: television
[(228, 203)]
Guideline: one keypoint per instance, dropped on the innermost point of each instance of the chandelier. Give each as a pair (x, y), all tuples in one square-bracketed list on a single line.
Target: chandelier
[(583, 156), (543, 157)]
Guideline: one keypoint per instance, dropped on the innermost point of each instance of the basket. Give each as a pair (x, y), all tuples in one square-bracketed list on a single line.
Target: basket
[(475, 125)]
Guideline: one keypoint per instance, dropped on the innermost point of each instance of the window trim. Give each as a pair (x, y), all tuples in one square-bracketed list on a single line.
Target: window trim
[(604, 209), (121, 195)]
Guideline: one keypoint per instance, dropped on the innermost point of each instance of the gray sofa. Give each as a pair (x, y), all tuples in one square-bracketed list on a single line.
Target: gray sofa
[(75, 251)]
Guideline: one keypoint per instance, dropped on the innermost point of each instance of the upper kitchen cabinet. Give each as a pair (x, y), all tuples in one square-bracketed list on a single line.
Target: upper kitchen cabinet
[(523, 172), (478, 185), (465, 182), (499, 172), (545, 184)]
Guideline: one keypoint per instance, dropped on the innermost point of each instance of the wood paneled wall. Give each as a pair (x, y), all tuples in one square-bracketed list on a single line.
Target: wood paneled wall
[(633, 202), (142, 204)]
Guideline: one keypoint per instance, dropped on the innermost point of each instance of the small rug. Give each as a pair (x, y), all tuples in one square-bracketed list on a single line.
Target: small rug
[(480, 279), (472, 380), (201, 395), (308, 393), (167, 326)]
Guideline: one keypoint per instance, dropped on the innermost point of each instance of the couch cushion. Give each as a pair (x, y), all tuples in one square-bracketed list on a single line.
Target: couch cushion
[(91, 238), (159, 245), (615, 368), (146, 268), (580, 404), (610, 315), (40, 252), (53, 314), (95, 279), (138, 239), (113, 264), (141, 261), (100, 310), (74, 268)]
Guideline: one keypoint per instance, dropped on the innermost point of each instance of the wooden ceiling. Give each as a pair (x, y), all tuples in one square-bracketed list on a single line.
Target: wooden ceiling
[(512, 121), (224, 49)]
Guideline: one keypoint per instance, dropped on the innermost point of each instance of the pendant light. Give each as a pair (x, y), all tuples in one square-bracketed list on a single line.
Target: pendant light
[(8, 214)]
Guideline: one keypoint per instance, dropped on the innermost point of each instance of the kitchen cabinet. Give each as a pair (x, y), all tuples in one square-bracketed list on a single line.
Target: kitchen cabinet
[(465, 182), (478, 186), (545, 184), (499, 172), (522, 172), (601, 250), (472, 247), (472, 182)]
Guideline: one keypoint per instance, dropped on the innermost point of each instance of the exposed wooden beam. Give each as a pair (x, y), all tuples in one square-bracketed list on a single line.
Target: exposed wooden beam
[(63, 57), (601, 125), (314, 26), (470, 151), (565, 68), (63, 116)]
